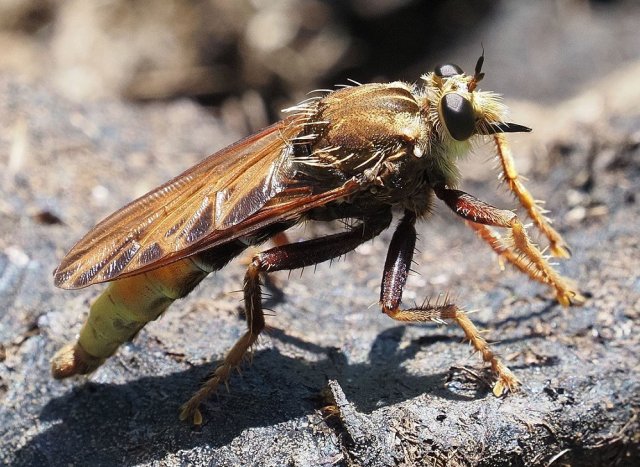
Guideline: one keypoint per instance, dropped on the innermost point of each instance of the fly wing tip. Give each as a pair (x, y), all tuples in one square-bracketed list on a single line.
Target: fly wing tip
[(63, 278), (60, 281)]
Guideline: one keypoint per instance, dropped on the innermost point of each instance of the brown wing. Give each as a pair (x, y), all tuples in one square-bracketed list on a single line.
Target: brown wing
[(229, 194)]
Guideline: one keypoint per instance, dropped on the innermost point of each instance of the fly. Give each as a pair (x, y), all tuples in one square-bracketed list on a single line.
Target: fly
[(354, 154)]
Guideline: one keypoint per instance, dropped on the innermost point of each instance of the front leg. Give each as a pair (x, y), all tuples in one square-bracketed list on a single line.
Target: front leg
[(472, 209), (510, 176), (283, 257), (396, 268)]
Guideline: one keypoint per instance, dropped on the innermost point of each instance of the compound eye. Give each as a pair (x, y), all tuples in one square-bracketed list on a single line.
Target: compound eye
[(448, 70), (459, 118)]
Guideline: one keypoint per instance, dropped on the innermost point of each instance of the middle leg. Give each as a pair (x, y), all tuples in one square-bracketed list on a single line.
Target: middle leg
[(394, 278)]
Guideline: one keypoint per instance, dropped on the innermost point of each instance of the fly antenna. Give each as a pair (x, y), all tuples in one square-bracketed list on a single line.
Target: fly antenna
[(478, 74)]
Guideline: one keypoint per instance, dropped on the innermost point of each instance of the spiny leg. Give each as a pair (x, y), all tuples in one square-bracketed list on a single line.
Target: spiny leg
[(558, 246), (506, 252), (471, 208), (278, 239), (255, 323), (394, 278), (289, 256), (506, 382)]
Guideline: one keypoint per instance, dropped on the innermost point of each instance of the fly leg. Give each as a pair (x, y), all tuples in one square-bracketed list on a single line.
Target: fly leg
[(472, 209), (510, 175), (278, 239), (396, 269), (284, 257), (506, 252)]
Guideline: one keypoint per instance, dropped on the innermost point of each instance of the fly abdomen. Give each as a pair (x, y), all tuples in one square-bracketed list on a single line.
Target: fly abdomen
[(122, 310)]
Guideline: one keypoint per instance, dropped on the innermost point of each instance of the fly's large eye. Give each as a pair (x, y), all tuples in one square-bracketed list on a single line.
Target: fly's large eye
[(447, 70), (457, 113)]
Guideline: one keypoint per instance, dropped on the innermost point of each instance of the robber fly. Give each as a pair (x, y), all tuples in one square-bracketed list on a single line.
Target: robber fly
[(355, 153)]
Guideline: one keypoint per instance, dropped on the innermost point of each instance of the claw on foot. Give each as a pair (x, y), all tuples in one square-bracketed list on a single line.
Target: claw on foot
[(188, 411), (570, 297), (505, 385), (507, 381)]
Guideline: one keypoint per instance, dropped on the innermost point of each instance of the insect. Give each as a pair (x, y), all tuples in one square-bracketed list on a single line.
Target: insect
[(355, 153)]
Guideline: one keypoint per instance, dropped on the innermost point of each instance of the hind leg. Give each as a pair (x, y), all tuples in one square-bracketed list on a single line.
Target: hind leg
[(233, 359), (284, 257)]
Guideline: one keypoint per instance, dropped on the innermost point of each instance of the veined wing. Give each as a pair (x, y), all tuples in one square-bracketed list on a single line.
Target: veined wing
[(215, 201)]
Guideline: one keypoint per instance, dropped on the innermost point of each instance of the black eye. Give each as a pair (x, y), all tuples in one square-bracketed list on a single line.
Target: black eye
[(459, 118), (447, 70)]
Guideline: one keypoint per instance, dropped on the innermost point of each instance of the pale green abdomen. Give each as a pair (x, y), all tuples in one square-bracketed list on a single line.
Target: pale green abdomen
[(122, 310)]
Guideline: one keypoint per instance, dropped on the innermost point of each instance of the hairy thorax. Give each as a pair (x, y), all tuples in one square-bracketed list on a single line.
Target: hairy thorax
[(373, 133)]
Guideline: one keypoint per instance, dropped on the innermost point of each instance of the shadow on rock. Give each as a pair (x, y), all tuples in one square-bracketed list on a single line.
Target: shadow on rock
[(106, 424)]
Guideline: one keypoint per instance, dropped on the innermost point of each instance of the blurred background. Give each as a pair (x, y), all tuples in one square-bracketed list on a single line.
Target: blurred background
[(247, 59)]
